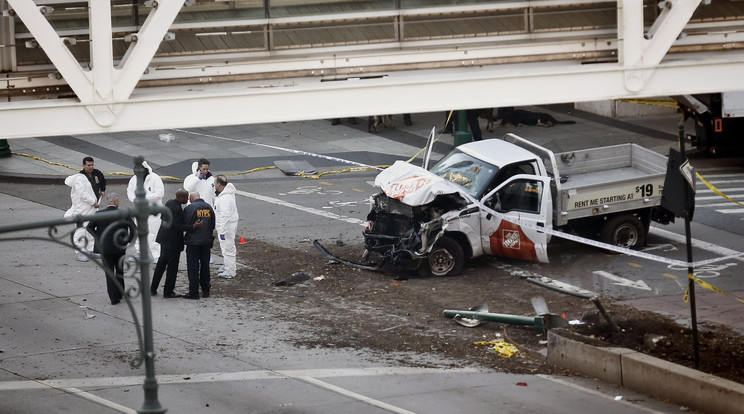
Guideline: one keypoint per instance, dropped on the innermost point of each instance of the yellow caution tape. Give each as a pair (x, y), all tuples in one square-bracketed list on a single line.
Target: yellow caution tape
[(164, 177), (707, 286), (251, 170), (503, 348), (717, 191), (435, 139), (664, 103)]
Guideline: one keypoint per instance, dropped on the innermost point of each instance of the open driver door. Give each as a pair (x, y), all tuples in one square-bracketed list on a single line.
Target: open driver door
[(523, 198)]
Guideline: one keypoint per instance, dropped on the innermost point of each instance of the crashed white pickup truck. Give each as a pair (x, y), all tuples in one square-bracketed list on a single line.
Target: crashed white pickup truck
[(434, 219)]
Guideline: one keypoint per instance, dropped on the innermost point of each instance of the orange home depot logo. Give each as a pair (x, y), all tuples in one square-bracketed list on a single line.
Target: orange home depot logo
[(511, 239), (404, 187)]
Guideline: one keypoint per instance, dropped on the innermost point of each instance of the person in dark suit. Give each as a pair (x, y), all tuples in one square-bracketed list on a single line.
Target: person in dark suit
[(112, 252), (199, 242), (171, 246)]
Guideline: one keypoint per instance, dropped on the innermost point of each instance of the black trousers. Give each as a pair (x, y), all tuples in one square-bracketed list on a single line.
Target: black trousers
[(113, 263), (197, 264), (168, 263)]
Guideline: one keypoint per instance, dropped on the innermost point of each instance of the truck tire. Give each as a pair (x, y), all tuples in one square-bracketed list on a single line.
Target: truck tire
[(445, 259), (625, 230)]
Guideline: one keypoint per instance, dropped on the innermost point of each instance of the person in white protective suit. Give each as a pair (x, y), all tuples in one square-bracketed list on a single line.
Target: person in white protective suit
[(201, 181), (226, 224), (154, 192), (83, 202)]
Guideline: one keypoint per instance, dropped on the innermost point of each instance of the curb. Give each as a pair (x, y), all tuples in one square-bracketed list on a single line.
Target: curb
[(648, 375), (17, 178)]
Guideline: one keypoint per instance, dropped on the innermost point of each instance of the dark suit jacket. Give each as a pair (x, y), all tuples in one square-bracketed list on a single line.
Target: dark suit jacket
[(171, 238), (106, 245)]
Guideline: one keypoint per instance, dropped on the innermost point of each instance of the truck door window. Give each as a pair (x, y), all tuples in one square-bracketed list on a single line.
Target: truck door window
[(508, 172), (519, 195)]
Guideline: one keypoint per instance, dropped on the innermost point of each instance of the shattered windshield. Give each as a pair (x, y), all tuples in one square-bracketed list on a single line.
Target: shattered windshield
[(468, 172)]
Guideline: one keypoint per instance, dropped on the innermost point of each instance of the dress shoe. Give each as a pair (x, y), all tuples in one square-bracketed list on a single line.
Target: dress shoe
[(153, 293), (190, 297), (170, 295), (205, 294), (114, 302)]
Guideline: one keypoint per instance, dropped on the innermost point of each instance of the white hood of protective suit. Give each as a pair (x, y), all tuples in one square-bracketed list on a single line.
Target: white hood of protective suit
[(154, 188), (225, 209), (414, 185), (81, 194)]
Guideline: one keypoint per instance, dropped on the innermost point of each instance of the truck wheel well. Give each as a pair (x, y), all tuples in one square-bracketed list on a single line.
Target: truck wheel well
[(591, 228), (462, 240)]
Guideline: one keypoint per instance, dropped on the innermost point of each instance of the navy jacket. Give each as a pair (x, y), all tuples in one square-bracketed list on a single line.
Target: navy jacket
[(171, 238), (106, 245), (199, 210)]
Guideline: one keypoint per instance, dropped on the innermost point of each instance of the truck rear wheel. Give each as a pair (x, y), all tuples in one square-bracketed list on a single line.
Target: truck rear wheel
[(625, 230), (445, 259)]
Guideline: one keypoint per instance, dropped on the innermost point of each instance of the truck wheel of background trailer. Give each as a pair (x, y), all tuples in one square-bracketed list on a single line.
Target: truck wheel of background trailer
[(445, 259), (625, 230)]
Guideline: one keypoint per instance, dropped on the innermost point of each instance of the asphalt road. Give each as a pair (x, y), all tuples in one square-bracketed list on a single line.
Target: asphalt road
[(222, 355), (293, 211)]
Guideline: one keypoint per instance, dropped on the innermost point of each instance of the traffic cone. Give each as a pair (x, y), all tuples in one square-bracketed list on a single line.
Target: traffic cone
[(242, 240)]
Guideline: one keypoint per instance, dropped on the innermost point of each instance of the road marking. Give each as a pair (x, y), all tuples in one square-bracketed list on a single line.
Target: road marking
[(669, 275), (301, 208), (732, 211), (77, 383), (636, 265), (723, 190), (621, 281), (102, 401), (679, 238), (355, 396), (597, 393)]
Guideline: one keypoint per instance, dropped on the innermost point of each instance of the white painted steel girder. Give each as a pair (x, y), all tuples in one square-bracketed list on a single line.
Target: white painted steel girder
[(640, 52), (103, 88), (400, 92), (108, 100)]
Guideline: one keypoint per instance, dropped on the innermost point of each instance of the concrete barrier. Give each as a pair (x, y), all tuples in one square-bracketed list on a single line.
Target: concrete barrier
[(648, 375), (687, 386), (601, 363)]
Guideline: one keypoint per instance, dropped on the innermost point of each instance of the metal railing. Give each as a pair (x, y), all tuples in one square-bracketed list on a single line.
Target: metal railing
[(122, 232)]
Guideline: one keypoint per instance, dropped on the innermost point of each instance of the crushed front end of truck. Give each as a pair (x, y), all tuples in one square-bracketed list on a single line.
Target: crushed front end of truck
[(403, 234), (410, 214)]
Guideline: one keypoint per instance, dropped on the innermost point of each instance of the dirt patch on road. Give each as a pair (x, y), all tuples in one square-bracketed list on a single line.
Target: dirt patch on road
[(336, 306)]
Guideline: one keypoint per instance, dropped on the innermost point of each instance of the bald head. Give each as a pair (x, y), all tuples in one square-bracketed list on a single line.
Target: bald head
[(194, 196)]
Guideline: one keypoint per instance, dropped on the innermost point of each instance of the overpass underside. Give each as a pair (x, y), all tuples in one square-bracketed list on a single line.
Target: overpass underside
[(110, 65)]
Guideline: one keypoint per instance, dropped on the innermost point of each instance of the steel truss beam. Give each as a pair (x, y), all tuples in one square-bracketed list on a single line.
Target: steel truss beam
[(400, 92), (110, 101)]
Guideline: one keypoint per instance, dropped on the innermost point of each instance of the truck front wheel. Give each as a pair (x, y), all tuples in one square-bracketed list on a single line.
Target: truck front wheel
[(445, 259), (625, 230)]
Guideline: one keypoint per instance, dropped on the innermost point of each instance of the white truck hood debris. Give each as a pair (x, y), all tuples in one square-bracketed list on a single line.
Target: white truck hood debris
[(414, 185)]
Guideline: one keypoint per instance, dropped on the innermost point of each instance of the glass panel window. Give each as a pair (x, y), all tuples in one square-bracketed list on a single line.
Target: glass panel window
[(286, 8)]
